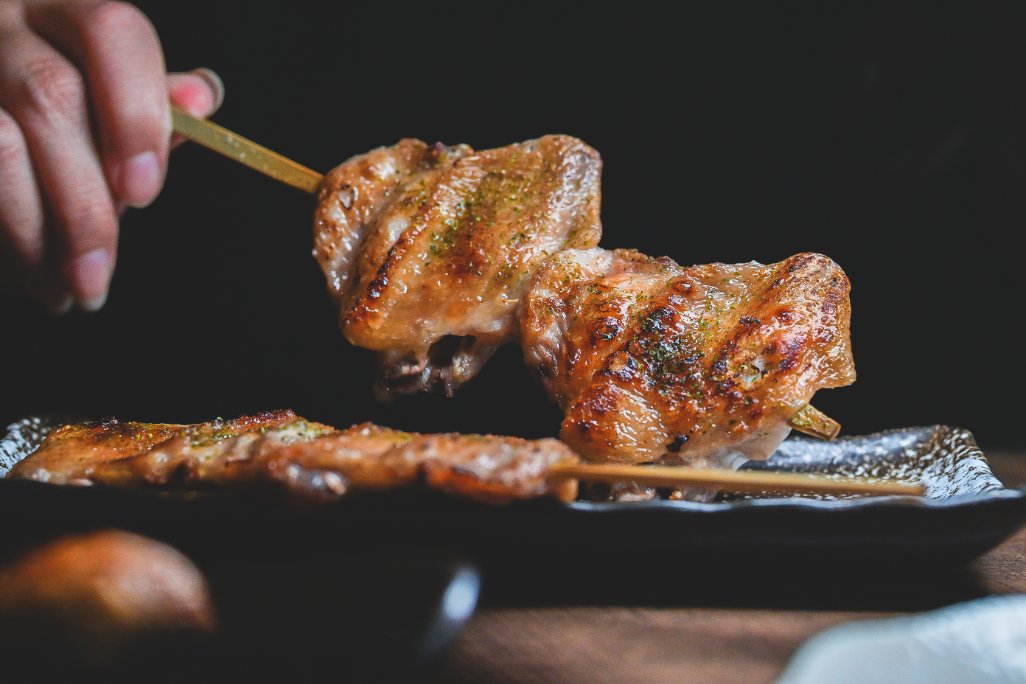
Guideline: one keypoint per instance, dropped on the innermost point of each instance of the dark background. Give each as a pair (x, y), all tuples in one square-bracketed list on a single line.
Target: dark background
[(891, 139)]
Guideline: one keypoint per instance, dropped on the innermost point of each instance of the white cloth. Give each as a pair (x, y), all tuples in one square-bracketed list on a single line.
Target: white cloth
[(979, 641)]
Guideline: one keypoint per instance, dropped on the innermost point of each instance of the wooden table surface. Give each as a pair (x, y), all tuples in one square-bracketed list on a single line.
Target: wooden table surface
[(706, 643)]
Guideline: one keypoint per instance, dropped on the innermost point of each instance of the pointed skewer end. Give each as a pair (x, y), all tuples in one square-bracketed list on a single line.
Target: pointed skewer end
[(813, 422)]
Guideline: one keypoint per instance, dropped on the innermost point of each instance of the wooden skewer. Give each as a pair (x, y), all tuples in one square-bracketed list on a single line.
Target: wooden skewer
[(245, 151), (815, 423), (731, 481)]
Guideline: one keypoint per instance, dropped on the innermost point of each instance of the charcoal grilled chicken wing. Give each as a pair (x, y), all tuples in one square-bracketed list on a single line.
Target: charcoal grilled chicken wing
[(427, 249), (280, 450), (704, 365), (437, 255)]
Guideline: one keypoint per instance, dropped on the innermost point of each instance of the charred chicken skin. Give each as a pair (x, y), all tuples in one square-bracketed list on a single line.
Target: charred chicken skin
[(437, 255), (427, 249), (704, 365), (280, 450)]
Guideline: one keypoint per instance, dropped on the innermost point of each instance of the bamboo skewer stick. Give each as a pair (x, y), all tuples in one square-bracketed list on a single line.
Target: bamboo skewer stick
[(815, 423), (245, 151), (731, 481)]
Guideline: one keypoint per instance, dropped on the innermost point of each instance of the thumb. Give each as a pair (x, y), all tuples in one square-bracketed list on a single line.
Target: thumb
[(199, 92)]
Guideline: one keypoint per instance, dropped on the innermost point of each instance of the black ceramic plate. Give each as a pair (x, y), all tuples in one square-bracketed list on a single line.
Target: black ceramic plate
[(966, 512)]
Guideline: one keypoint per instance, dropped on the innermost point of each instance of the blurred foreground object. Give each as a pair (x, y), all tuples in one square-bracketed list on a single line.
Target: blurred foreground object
[(96, 596), (979, 641)]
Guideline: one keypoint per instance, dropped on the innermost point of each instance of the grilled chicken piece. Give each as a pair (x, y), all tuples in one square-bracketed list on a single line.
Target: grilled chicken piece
[(310, 460), (74, 450), (92, 597), (427, 249), (71, 453), (704, 365), (483, 467)]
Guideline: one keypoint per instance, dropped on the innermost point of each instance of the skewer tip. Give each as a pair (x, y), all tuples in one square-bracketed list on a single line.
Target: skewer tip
[(813, 422)]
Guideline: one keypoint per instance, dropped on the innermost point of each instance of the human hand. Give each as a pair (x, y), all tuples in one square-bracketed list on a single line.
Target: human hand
[(85, 129)]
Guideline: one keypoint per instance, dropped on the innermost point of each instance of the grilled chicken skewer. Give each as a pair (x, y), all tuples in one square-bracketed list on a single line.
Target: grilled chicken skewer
[(280, 450), (437, 255), (432, 252)]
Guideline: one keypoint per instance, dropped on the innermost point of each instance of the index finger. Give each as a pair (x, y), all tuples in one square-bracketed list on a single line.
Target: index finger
[(118, 50)]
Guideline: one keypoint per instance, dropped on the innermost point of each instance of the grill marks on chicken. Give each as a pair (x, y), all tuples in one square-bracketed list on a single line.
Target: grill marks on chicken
[(437, 255), (704, 365), (72, 453), (279, 450), (421, 244)]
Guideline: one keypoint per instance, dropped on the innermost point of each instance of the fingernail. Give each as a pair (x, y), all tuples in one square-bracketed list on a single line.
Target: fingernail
[(214, 82), (140, 180), (60, 307), (91, 277), (94, 304)]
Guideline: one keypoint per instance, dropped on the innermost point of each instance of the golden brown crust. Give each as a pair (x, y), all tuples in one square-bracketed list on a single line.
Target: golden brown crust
[(352, 197), (313, 461), (492, 470), (420, 243), (652, 361), (70, 453), (91, 444)]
